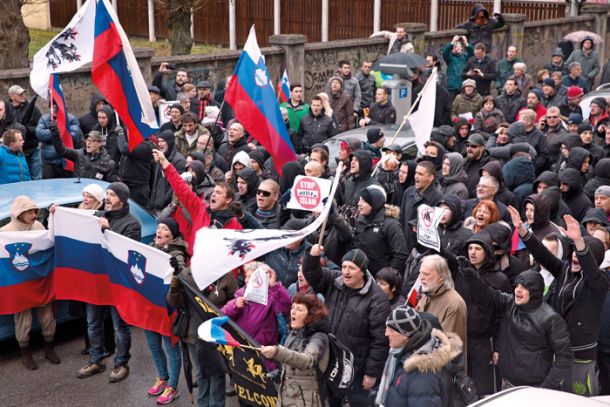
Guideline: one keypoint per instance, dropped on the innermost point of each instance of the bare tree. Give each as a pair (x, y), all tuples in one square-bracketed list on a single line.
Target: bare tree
[(179, 25), (14, 35)]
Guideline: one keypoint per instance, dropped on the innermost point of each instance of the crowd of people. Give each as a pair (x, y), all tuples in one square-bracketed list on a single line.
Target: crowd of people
[(515, 295)]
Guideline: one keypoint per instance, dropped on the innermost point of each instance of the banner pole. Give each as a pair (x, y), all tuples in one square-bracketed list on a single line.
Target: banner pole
[(323, 228)]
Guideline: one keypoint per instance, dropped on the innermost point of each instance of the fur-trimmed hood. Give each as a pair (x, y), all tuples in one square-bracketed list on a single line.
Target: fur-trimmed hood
[(435, 354), (392, 211)]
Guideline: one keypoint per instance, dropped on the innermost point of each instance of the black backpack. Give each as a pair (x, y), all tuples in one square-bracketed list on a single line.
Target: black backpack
[(338, 377), (463, 391)]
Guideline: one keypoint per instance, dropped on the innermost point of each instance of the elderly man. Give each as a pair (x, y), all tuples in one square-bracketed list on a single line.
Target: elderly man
[(505, 67), (358, 310), (487, 188), (602, 199), (236, 142)]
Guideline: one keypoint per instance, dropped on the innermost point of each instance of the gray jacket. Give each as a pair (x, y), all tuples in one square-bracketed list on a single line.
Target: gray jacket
[(589, 64), (351, 86), (367, 89)]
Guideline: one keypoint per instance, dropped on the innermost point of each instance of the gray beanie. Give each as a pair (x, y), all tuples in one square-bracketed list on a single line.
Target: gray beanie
[(404, 320)]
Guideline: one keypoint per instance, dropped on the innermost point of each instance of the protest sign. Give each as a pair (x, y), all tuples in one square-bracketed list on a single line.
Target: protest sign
[(308, 193), (428, 219), (164, 108), (257, 289)]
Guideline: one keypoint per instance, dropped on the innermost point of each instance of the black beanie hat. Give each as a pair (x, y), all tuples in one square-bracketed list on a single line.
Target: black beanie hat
[(600, 101), (121, 190), (374, 134), (169, 137), (357, 257), (375, 197), (171, 225)]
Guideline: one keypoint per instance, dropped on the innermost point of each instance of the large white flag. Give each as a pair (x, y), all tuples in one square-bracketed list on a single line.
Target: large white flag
[(67, 51), (218, 251), (422, 120)]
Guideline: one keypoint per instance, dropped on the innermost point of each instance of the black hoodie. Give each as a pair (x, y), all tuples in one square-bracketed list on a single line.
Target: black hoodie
[(577, 156), (482, 33), (575, 198), (541, 226), (248, 200), (358, 183), (454, 234), (110, 133), (89, 119), (602, 177)]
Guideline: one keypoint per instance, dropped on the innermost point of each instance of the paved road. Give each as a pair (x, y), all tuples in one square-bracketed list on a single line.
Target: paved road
[(57, 385)]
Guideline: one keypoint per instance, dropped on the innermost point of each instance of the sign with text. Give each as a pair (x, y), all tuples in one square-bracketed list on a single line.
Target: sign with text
[(257, 288), (164, 115), (428, 219), (308, 193)]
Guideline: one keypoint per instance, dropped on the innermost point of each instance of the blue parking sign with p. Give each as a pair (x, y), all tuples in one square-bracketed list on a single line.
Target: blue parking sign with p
[(403, 93)]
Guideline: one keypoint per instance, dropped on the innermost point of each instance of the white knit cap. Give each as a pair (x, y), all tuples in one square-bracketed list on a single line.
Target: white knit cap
[(95, 191)]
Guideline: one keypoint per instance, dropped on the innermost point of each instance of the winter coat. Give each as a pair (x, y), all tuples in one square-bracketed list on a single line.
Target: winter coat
[(575, 198), (382, 114), (367, 89), (13, 166), (411, 200), (536, 139), (286, 262), (588, 62), (258, 320), (169, 89), (182, 144), (380, 236), (454, 235), (466, 104), (425, 379), (161, 192), (473, 171), (356, 184), (483, 33), (43, 133), (314, 130), (89, 120), (579, 296), (295, 114), (248, 200), (487, 67), (122, 222), (535, 345), (351, 86), (455, 182), (602, 177), (357, 317), (518, 176), (196, 213), (21, 204), (542, 225), (486, 123), (553, 140), (525, 84), (510, 105), (304, 353), (111, 133), (505, 70), (552, 100), (227, 151), (28, 118), (135, 167), (455, 65), (344, 111), (97, 166)]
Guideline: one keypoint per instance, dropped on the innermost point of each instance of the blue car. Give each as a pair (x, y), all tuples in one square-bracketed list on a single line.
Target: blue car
[(64, 192)]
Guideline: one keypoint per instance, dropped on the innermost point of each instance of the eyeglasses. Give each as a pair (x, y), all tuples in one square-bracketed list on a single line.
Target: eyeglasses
[(483, 186), (264, 193)]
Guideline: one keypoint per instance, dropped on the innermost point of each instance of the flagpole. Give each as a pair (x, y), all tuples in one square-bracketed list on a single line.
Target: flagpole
[(323, 228), (214, 126), (51, 118), (404, 120)]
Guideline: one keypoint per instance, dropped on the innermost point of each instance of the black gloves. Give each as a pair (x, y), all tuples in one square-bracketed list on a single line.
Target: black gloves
[(175, 265), (237, 209), (53, 129)]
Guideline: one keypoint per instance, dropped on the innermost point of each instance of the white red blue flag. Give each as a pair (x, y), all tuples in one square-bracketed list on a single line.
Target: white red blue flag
[(59, 103), (212, 331), (252, 97), (283, 88)]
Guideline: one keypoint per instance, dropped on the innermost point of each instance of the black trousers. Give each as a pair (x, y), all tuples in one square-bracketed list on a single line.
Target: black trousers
[(480, 366)]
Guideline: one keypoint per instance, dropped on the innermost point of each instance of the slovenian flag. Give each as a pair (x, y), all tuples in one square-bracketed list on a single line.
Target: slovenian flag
[(283, 88), (414, 294), (116, 74), (26, 270), (252, 98), (105, 268), (212, 331), (57, 100)]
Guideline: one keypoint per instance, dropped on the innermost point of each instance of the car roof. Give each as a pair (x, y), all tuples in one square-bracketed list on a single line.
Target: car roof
[(588, 98), (524, 395), (405, 136)]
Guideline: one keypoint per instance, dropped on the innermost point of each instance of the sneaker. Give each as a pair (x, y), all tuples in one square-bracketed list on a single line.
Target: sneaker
[(158, 387), (169, 395), (118, 373), (90, 369)]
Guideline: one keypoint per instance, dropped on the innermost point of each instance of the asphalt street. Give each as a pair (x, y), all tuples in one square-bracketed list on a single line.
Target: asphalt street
[(57, 385)]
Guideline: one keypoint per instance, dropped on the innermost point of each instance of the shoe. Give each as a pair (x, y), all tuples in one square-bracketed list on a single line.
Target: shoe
[(169, 395), (90, 369), (118, 373), (158, 387), (27, 360), (49, 352), (84, 351)]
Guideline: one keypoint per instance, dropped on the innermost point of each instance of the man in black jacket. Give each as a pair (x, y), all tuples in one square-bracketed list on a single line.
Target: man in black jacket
[(358, 311), (135, 168), (580, 290), (93, 161), (382, 111), (117, 218), (481, 68), (452, 232), (316, 127), (510, 101), (476, 157), (28, 115)]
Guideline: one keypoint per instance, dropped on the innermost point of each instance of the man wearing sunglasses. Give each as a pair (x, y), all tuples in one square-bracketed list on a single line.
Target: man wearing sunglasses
[(268, 210)]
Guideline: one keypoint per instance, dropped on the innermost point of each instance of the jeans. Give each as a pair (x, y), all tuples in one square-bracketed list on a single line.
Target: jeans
[(155, 344), (35, 163), (95, 330), (211, 389)]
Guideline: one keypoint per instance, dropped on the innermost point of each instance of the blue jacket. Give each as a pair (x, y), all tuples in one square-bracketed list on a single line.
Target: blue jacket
[(13, 167), (43, 134)]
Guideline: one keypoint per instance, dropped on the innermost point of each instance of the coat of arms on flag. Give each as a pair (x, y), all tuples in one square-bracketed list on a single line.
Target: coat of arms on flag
[(137, 266), (19, 255)]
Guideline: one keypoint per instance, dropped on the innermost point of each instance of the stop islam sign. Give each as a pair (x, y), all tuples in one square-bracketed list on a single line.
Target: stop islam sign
[(308, 193)]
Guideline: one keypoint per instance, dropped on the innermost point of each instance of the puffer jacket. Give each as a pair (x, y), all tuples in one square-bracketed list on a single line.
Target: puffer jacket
[(357, 317), (382, 114), (455, 65), (43, 134), (482, 33), (314, 130), (21, 204), (535, 346), (304, 352), (97, 166), (486, 123), (14, 166), (602, 177), (510, 105), (455, 182), (579, 296), (575, 198)]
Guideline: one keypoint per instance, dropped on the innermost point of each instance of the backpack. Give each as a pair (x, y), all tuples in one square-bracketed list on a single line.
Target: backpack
[(338, 377)]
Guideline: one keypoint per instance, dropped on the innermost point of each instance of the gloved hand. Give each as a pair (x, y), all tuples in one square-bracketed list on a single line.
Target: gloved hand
[(53, 129), (119, 131), (174, 286), (237, 209), (175, 265), (464, 264)]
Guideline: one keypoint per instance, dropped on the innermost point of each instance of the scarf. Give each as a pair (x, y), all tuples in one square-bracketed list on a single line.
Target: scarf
[(388, 375)]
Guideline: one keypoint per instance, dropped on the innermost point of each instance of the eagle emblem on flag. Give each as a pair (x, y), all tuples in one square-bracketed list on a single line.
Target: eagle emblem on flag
[(62, 49), (137, 266), (19, 255)]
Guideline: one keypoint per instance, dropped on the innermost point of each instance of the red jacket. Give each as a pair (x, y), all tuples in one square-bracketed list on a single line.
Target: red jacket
[(196, 207), (540, 112)]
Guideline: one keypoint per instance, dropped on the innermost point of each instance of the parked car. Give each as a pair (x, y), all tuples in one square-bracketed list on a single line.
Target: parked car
[(533, 396), (64, 192), (405, 139), (600, 91)]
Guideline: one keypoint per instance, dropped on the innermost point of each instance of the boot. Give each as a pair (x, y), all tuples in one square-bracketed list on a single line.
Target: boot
[(49, 352), (26, 359)]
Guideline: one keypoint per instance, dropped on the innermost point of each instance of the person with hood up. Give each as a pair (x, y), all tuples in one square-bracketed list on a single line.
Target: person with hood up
[(435, 153), (88, 121), (501, 239), (23, 218), (510, 101), (107, 126), (571, 187), (405, 179), (594, 217), (580, 160), (452, 232), (240, 161), (462, 133), (135, 167), (581, 290), (480, 25), (487, 120), (247, 185), (455, 55), (342, 105), (568, 142), (454, 179), (358, 309), (420, 365), (468, 102), (378, 233), (601, 178), (161, 192), (518, 175), (537, 211), (359, 178), (557, 63), (588, 59)]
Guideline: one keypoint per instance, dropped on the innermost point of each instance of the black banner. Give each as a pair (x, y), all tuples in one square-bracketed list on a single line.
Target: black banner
[(247, 368)]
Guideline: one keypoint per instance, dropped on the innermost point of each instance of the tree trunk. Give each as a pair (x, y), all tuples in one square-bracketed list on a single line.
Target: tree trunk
[(179, 25), (14, 36)]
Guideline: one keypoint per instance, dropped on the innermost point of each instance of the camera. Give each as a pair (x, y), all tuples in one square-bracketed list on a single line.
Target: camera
[(171, 66)]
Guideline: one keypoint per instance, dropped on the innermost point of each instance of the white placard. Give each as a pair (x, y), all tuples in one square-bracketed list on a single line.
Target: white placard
[(308, 193), (428, 219), (164, 115), (257, 289)]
